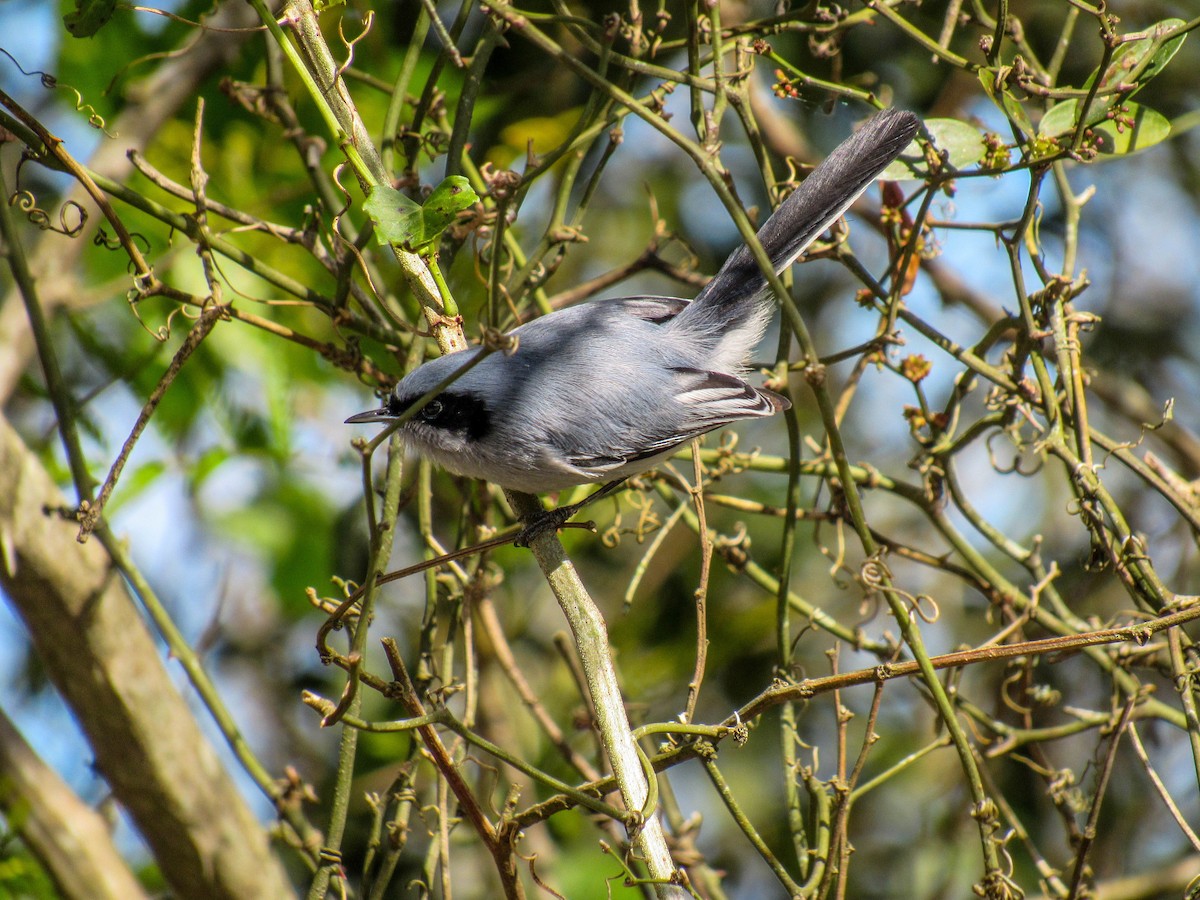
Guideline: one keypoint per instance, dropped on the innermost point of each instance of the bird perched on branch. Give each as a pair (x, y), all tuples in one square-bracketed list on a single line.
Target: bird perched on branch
[(601, 391)]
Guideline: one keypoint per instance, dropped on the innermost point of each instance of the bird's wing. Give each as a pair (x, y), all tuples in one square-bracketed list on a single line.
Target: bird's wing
[(648, 307), (579, 324), (702, 401)]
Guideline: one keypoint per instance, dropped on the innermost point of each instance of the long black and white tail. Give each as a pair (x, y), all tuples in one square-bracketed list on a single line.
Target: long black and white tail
[(730, 311)]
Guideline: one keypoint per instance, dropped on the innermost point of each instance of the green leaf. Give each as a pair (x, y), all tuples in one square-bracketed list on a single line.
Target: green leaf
[(1139, 128), (1131, 55), (1163, 55), (89, 17), (400, 221), (1121, 130), (961, 142), (1128, 57), (448, 199), (1059, 120), (1016, 112), (391, 212), (1006, 101)]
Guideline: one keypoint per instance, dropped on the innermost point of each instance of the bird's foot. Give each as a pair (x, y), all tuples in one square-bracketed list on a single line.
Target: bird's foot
[(550, 521)]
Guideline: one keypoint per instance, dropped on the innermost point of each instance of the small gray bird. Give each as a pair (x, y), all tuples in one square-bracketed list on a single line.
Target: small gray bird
[(605, 390)]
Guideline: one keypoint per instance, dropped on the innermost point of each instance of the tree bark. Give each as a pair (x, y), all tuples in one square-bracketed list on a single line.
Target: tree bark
[(70, 839), (101, 657)]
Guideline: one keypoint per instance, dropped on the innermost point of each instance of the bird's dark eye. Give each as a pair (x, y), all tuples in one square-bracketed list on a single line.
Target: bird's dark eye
[(464, 415)]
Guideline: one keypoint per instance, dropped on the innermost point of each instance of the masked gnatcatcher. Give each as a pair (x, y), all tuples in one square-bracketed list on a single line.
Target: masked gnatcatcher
[(599, 392)]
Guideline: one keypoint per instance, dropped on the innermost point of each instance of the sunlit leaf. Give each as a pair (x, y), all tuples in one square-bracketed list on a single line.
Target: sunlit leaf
[(1011, 105), (961, 143), (448, 199), (1133, 54), (1137, 128), (1016, 112), (406, 223), (1059, 120), (1128, 128), (1163, 55), (393, 214)]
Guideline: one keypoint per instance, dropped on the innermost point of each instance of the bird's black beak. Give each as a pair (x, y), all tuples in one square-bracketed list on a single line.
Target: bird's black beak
[(370, 417)]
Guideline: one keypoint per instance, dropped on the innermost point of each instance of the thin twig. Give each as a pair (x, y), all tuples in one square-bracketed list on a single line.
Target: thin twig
[(89, 513)]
